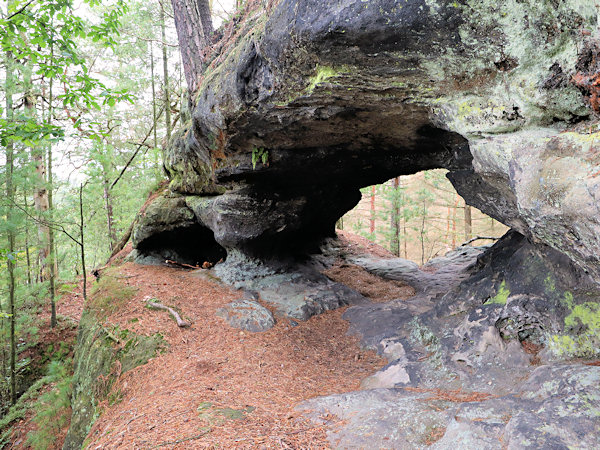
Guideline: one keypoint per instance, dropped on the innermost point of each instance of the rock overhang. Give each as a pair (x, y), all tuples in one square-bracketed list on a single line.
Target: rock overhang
[(322, 98)]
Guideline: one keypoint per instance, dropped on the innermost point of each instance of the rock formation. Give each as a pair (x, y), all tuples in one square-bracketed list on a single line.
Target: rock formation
[(318, 99)]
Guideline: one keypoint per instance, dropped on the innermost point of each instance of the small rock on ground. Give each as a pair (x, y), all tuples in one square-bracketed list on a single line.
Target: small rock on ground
[(247, 315)]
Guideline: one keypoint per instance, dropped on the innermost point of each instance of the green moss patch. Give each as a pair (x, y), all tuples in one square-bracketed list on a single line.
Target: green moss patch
[(217, 416), (109, 294), (103, 353)]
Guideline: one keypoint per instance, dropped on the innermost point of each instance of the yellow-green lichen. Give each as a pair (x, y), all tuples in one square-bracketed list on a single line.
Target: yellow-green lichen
[(501, 296), (584, 346), (549, 284), (587, 314), (568, 299), (586, 342)]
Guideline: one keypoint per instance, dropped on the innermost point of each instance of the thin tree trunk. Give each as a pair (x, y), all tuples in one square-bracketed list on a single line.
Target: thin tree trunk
[(40, 195), (405, 240), (27, 253), (109, 213), (153, 94), (82, 243), (165, 72), (10, 197), (454, 222), (395, 241), (372, 218), (423, 233), (468, 223), (51, 254)]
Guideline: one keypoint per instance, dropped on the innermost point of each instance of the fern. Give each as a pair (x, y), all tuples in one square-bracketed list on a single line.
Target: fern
[(259, 154)]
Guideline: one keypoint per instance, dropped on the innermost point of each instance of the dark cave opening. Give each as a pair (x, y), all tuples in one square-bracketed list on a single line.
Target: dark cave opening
[(193, 245)]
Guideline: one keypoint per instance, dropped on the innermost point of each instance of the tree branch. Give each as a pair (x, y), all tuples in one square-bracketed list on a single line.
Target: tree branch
[(136, 151), (20, 10), (477, 238), (180, 322)]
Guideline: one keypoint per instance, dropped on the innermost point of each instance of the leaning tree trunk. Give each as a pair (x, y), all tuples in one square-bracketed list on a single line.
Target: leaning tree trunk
[(194, 25)]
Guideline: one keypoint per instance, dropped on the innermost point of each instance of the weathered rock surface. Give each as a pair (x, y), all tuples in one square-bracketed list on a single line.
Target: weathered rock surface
[(502, 316), (557, 407), (247, 315), (298, 290), (322, 98)]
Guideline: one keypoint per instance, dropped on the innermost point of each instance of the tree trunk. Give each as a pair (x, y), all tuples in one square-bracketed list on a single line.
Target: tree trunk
[(81, 242), (372, 218), (40, 194), (454, 222), (194, 25), (468, 223), (395, 241), (51, 253), (166, 87), (27, 253), (154, 118), (112, 237), (10, 197), (205, 17), (422, 232)]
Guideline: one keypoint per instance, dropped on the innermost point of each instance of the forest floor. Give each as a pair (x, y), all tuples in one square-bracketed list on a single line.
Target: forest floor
[(219, 387)]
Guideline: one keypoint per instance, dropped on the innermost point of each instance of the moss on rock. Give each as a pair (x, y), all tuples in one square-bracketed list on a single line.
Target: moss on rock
[(103, 354)]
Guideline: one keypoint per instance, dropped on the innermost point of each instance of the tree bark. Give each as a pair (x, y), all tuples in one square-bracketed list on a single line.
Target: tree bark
[(112, 237), (27, 253), (194, 26), (52, 253), (154, 118), (81, 242)]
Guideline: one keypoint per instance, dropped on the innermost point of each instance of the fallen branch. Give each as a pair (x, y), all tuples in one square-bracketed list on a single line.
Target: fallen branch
[(180, 322), (189, 266), (479, 238)]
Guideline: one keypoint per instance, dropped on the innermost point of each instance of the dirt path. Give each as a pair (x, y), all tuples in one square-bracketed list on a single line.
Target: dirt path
[(218, 386)]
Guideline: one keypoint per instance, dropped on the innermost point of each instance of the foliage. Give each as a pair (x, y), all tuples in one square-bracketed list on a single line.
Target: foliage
[(259, 154), (50, 407), (53, 407)]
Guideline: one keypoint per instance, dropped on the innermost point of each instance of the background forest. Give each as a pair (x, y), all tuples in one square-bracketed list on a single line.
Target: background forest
[(91, 92)]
